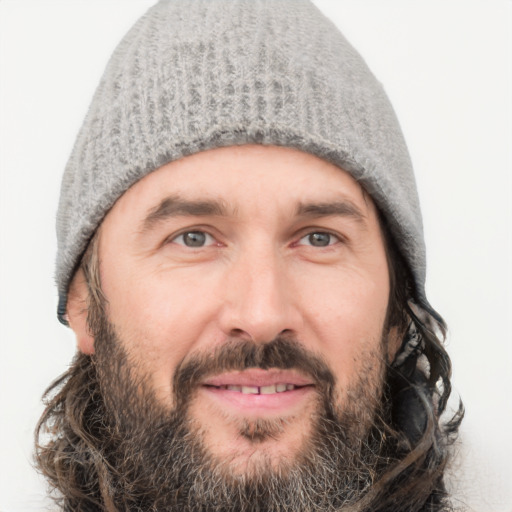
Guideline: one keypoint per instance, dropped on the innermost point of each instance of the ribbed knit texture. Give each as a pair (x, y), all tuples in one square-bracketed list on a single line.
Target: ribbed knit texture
[(193, 75)]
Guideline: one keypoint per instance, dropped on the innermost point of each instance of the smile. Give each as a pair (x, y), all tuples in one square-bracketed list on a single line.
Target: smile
[(256, 392), (259, 390)]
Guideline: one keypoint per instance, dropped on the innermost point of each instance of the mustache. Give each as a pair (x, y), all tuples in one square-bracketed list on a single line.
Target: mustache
[(238, 355)]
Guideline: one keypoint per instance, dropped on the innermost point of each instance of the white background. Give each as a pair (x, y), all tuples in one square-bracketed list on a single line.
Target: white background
[(446, 64)]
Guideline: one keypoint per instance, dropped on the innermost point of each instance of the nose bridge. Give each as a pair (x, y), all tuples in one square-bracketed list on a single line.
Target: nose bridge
[(259, 298)]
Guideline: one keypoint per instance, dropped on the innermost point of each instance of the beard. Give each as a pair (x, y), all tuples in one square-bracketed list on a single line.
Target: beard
[(155, 458)]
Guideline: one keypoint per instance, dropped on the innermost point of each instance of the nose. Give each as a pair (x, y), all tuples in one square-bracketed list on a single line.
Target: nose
[(260, 300)]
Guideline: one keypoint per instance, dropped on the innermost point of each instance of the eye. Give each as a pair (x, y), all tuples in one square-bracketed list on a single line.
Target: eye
[(319, 239), (194, 239)]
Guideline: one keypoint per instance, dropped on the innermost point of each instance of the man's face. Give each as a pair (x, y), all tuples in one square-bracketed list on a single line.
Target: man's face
[(246, 245)]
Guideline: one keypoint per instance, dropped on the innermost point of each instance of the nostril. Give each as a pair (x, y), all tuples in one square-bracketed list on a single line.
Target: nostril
[(237, 333)]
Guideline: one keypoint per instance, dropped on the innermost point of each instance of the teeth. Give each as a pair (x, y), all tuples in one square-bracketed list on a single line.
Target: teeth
[(267, 390), (250, 390), (262, 390)]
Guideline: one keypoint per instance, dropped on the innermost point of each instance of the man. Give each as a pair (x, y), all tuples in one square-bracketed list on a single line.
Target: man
[(241, 259)]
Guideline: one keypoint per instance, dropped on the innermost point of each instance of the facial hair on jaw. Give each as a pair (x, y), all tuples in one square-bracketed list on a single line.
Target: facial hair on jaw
[(158, 461)]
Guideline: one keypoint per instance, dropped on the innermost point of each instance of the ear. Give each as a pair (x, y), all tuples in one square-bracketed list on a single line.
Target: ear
[(77, 313)]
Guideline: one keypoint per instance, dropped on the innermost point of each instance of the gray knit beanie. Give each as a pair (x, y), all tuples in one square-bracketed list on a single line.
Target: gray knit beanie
[(192, 75)]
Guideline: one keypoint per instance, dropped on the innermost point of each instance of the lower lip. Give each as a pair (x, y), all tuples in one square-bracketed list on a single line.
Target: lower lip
[(283, 402)]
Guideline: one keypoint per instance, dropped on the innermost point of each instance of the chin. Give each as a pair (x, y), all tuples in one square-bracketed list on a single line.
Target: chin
[(252, 446)]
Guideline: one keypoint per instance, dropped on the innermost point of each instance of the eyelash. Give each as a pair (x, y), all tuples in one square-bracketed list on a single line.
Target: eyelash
[(337, 238), (190, 231)]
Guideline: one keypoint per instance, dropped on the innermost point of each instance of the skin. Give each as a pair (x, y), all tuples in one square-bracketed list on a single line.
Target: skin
[(258, 275)]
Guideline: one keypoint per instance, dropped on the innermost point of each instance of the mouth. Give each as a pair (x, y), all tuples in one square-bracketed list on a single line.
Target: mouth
[(258, 390), (259, 393)]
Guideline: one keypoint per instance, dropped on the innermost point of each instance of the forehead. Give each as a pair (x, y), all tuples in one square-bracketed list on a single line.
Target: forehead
[(243, 178)]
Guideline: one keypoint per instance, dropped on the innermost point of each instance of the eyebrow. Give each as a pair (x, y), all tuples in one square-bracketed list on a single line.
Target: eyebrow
[(344, 208), (175, 206)]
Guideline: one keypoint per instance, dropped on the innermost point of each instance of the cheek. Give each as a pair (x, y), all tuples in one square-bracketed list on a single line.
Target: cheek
[(347, 315), (160, 318)]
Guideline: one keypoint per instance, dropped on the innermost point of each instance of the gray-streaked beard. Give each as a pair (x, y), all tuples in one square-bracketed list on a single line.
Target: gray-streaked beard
[(158, 461)]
